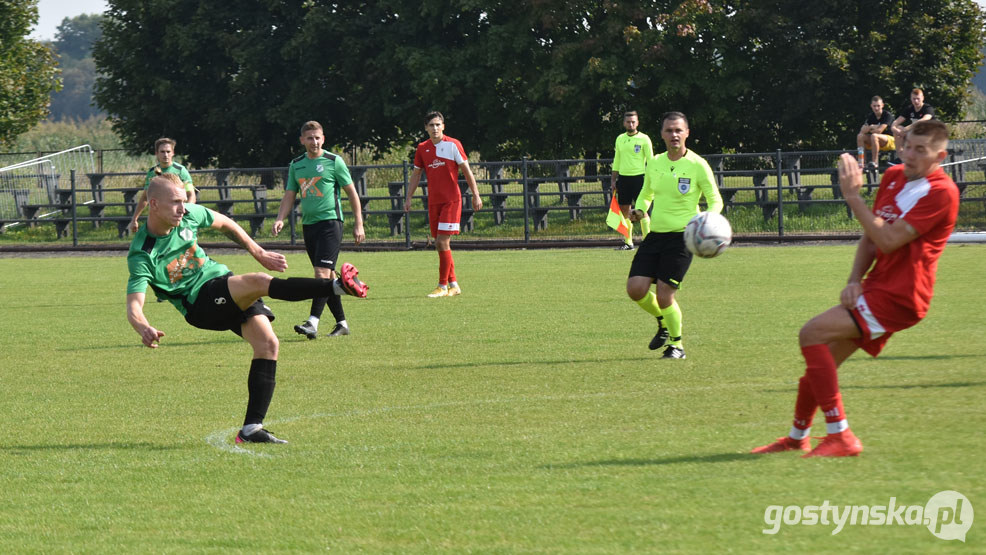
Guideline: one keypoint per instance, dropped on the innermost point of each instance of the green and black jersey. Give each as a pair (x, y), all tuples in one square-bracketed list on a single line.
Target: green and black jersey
[(317, 182), (173, 265), (175, 168)]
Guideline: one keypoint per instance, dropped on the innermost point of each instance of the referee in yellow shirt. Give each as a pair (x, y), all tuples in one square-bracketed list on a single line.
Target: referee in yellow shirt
[(632, 151)]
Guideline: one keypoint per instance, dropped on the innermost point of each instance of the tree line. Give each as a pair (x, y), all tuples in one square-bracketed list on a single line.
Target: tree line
[(542, 78)]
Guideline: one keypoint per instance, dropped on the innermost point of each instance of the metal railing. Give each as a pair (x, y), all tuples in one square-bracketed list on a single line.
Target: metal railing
[(766, 195)]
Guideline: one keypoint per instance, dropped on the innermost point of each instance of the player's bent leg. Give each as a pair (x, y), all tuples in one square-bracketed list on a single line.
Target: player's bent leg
[(834, 324), (258, 332), (247, 288), (638, 286), (261, 381)]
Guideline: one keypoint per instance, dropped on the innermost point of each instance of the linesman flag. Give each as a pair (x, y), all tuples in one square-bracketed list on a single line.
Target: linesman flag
[(616, 220)]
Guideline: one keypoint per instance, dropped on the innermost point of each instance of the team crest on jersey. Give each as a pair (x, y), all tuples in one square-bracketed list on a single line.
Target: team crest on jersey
[(684, 185), (320, 168), (186, 234)]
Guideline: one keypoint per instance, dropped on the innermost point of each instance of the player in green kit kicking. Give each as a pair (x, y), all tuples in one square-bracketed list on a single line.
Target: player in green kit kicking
[(165, 255), (318, 176), (164, 151), (674, 181)]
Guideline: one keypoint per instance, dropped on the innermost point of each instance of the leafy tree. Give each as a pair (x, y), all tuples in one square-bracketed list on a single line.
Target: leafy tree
[(27, 70), (76, 35), (546, 78)]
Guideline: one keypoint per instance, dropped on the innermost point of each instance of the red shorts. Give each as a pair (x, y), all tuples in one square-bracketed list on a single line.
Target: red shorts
[(444, 218), (878, 317)]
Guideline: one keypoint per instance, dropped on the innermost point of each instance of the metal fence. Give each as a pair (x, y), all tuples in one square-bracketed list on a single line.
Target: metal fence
[(767, 195)]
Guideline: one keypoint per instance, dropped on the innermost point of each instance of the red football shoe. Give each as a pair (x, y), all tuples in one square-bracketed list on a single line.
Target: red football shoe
[(842, 444), (350, 283), (785, 443)]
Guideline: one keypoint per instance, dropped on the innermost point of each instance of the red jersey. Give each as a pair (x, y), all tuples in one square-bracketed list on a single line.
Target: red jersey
[(930, 205), (441, 165)]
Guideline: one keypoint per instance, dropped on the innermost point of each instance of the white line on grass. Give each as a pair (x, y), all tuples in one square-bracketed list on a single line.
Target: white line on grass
[(220, 438)]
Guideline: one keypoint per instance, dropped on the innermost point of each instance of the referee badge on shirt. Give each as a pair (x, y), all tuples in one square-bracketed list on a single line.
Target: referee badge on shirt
[(636, 149), (684, 185), (320, 168)]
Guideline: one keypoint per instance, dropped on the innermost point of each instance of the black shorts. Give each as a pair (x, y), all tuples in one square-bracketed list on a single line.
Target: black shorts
[(662, 256), (322, 241), (214, 308), (628, 188)]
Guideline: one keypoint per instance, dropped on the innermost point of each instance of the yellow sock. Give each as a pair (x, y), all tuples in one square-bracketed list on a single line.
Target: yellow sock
[(672, 321), (649, 304)]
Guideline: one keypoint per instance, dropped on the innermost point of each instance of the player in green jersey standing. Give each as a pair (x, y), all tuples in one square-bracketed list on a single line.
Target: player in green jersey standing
[(674, 181), (317, 176), (632, 151), (165, 255), (164, 151)]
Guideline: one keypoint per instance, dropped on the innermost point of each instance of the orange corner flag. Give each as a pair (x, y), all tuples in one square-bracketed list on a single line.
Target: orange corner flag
[(616, 220)]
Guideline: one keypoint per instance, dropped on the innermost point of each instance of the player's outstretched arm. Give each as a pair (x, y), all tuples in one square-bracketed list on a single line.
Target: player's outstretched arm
[(887, 237), (141, 204), (287, 202), (357, 206), (865, 255), (271, 260), (135, 315), (411, 187), (477, 201)]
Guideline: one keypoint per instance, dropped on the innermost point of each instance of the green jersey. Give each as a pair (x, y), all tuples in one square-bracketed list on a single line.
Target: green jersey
[(317, 182), (675, 188), (174, 265), (632, 152), (174, 168)]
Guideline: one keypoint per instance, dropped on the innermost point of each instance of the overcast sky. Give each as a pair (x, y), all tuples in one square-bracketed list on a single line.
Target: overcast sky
[(52, 12)]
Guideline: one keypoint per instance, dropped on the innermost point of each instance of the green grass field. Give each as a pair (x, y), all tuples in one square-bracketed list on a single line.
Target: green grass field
[(525, 416)]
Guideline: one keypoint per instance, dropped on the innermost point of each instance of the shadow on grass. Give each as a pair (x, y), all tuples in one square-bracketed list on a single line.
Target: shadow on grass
[(232, 340), (929, 357), (140, 445), (794, 388), (515, 363), (684, 459), (915, 385)]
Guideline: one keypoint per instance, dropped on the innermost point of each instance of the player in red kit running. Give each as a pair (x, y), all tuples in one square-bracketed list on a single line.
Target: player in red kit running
[(441, 157), (903, 236)]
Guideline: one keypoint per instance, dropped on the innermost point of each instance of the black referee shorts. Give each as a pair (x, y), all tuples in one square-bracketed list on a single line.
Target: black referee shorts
[(323, 240), (214, 308), (628, 188), (662, 256)]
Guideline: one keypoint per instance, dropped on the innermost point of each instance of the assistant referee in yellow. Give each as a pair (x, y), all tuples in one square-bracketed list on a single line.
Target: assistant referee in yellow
[(632, 151)]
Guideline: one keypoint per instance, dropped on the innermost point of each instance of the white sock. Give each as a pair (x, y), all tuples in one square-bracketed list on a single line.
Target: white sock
[(836, 427), (442, 286), (343, 323), (453, 284), (313, 320), (799, 434), (249, 429)]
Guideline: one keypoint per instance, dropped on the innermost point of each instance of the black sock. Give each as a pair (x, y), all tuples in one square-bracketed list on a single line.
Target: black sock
[(318, 305), (299, 289), (260, 384), (335, 306)]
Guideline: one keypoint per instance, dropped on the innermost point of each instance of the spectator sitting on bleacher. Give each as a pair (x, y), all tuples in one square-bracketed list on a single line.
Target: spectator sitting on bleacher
[(164, 151), (914, 111), (875, 134)]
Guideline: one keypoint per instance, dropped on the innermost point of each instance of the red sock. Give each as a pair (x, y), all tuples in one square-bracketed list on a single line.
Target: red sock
[(824, 380), (444, 265), (451, 267), (805, 406)]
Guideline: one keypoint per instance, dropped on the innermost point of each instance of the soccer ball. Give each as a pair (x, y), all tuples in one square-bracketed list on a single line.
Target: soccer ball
[(708, 234)]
